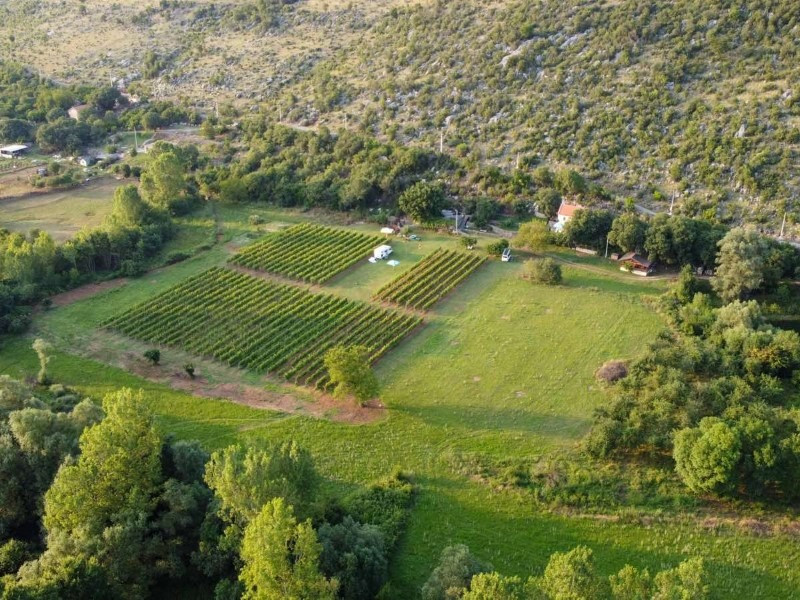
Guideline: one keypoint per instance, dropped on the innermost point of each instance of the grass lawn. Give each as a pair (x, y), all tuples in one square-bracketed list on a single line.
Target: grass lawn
[(62, 214), (503, 368)]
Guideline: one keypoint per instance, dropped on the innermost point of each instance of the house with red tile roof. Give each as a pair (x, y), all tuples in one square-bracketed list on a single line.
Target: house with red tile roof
[(565, 212)]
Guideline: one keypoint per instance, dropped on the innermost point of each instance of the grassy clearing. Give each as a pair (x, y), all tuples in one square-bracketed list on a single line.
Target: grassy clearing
[(62, 214), (504, 368)]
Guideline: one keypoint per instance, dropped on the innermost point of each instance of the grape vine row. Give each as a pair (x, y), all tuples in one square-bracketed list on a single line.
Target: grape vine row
[(430, 279), (308, 252), (261, 325)]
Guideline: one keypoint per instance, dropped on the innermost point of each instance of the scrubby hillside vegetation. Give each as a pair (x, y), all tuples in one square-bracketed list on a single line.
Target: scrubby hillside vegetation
[(653, 98)]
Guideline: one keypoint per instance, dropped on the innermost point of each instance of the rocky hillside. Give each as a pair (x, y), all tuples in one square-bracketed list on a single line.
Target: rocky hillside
[(696, 99)]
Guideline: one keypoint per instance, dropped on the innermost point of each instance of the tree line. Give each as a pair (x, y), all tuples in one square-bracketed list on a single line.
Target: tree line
[(33, 266), (97, 502), (35, 108), (713, 394)]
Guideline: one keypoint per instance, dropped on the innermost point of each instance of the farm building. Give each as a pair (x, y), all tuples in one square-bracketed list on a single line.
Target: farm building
[(565, 212), (76, 111), (13, 151), (636, 264)]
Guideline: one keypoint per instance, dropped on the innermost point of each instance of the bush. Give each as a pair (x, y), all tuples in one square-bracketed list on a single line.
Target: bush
[(542, 270), (386, 504), (496, 248), (153, 355), (468, 242), (176, 257)]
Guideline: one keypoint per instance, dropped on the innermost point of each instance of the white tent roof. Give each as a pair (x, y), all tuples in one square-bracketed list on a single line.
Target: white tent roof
[(13, 148)]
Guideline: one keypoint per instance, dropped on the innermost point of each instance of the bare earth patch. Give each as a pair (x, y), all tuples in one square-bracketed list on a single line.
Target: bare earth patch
[(318, 405), (324, 406), (87, 291)]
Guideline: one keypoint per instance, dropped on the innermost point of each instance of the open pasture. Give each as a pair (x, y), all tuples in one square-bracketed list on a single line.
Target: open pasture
[(430, 279), (260, 325), (307, 252), (62, 213)]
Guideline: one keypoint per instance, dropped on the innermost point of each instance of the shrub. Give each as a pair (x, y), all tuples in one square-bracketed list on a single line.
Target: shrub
[(153, 355), (176, 257), (386, 504), (496, 248), (468, 242), (189, 368), (542, 270)]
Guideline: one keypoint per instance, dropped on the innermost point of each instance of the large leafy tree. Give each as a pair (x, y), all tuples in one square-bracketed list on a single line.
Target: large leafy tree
[(457, 565), (422, 201), (572, 576), (281, 558), (588, 228), (117, 472), (740, 263), (163, 183), (706, 457), (244, 479), (350, 371), (354, 554), (628, 232)]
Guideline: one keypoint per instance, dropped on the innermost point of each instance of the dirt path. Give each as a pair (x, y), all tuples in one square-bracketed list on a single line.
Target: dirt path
[(87, 291), (316, 404)]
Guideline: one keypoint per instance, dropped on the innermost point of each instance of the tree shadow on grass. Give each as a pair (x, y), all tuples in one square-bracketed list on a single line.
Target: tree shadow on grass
[(506, 530), (495, 419)]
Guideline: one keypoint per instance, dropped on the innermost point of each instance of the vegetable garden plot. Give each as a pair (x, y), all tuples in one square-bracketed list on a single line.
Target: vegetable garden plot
[(430, 279), (308, 252), (260, 325)]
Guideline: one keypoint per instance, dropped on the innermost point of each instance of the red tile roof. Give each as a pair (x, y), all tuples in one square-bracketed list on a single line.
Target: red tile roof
[(568, 210)]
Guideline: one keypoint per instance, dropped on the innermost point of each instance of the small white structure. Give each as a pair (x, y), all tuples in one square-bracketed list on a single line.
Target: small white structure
[(506, 256), (76, 111), (565, 213), (382, 252), (13, 151), (387, 231)]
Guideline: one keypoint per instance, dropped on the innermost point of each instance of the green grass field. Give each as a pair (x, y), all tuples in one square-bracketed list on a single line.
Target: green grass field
[(62, 214), (504, 368)]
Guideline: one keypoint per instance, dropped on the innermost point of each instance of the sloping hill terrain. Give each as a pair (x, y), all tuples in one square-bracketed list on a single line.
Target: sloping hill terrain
[(653, 98)]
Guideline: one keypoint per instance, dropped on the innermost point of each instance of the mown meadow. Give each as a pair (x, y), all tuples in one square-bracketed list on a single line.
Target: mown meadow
[(503, 368)]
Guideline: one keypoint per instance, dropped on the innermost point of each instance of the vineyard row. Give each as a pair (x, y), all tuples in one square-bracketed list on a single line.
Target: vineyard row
[(261, 325)]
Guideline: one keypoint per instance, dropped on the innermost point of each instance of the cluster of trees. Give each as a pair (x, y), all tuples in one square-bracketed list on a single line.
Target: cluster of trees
[(714, 392), (287, 167), (33, 266), (97, 503), (620, 114), (678, 240), (568, 575), (34, 108)]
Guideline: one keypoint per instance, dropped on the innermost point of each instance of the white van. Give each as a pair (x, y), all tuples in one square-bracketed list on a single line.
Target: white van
[(382, 252)]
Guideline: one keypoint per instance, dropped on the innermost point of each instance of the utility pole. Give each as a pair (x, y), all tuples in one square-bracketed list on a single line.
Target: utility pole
[(606, 246), (517, 166), (135, 140), (671, 204), (456, 220), (441, 147), (783, 225)]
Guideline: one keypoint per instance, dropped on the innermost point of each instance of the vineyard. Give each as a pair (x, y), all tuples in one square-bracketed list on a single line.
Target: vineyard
[(430, 279), (261, 325), (307, 252)]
